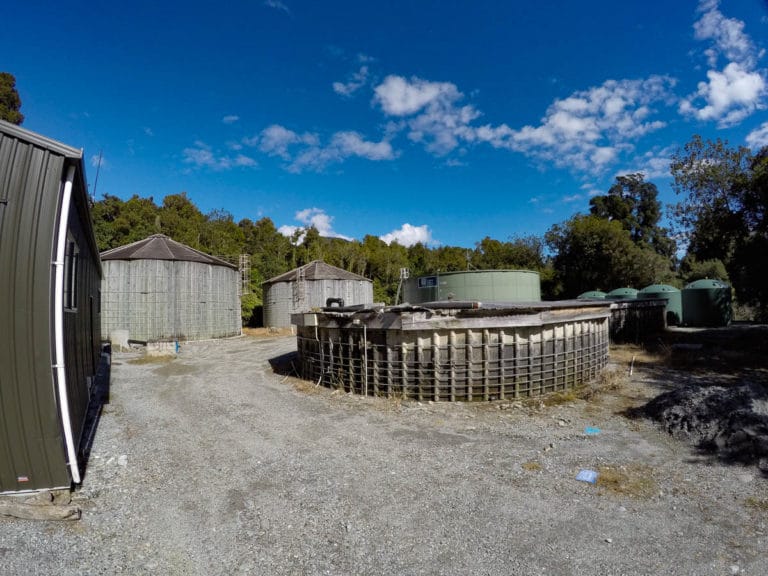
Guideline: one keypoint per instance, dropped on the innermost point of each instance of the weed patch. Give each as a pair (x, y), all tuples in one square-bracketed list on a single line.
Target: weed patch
[(634, 480)]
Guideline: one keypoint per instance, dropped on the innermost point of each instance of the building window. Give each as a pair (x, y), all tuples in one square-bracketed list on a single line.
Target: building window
[(70, 273)]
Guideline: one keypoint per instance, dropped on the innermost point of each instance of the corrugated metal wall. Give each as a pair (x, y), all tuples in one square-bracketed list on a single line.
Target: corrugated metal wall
[(32, 452), (285, 298), (163, 299)]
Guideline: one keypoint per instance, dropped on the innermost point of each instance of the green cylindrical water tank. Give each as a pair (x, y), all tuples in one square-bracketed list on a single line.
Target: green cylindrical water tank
[(481, 285), (706, 303), (592, 295), (622, 294), (674, 307)]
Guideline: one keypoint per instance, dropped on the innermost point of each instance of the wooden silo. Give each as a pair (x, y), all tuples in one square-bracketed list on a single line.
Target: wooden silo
[(159, 289), (310, 286)]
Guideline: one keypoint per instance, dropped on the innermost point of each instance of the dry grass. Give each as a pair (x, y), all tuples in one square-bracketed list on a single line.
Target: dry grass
[(531, 466), (760, 504), (633, 480), (624, 354), (268, 332), (152, 359)]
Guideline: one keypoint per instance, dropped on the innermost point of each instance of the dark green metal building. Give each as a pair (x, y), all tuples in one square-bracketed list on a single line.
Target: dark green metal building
[(49, 311)]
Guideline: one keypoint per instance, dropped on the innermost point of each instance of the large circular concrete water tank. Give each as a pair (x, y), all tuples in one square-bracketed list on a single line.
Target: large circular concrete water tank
[(479, 285), (706, 302), (455, 351), (592, 295), (622, 294), (674, 306)]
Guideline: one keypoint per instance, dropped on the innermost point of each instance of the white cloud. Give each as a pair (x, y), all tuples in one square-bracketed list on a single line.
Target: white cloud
[(203, 156), (356, 81), (727, 35), (97, 160), (343, 145), (730, 95), (572, 198), (653, 164), (408, 235), (306, 151), (276, 140), (277, 5), (230, 119), (587, 130), (758, 137), (310, 217), (400, 97), (435, 117), (148, 131)]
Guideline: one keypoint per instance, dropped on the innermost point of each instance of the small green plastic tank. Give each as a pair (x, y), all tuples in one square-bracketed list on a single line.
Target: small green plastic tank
[(592, 295), (622, 294), (674, 307), (706, 302)]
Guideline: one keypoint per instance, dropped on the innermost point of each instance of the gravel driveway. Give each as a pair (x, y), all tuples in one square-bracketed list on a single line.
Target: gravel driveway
[(211, 463)]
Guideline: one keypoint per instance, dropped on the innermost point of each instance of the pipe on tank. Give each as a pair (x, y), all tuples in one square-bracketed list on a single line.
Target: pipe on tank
[(58, 305)]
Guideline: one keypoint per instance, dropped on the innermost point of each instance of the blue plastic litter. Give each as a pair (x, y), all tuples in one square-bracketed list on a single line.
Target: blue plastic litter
[(587, 476), (591, 431)]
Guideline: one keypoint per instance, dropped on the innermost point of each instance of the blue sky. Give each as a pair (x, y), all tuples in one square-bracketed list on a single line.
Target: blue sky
[(437, 121)]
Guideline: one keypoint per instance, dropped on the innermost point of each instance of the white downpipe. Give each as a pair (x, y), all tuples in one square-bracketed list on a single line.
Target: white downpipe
[(58, 311)]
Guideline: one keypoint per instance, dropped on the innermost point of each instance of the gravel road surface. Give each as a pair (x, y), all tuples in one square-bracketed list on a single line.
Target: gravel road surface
[(211, 463)]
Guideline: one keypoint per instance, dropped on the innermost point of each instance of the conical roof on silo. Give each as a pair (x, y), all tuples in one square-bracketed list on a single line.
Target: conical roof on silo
[(316, 270), (162, 247)]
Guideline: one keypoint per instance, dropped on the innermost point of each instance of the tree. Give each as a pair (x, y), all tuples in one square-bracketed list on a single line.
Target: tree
[(594, 253), (269, 249), (526, 253), (10, 102), (181, 220), (634, 203), (221, 236), (117, 223), (723, 212)]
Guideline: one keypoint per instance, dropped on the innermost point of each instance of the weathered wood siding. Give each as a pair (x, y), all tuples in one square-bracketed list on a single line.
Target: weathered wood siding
[(282, 299), (164, 299)]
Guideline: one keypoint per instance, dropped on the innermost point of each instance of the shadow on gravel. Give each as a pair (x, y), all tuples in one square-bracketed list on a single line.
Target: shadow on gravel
[(99, 397), (285, 364)]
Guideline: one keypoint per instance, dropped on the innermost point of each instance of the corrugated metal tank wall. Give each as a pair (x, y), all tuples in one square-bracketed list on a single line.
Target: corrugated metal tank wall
[(164, 299), (282, 299)]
